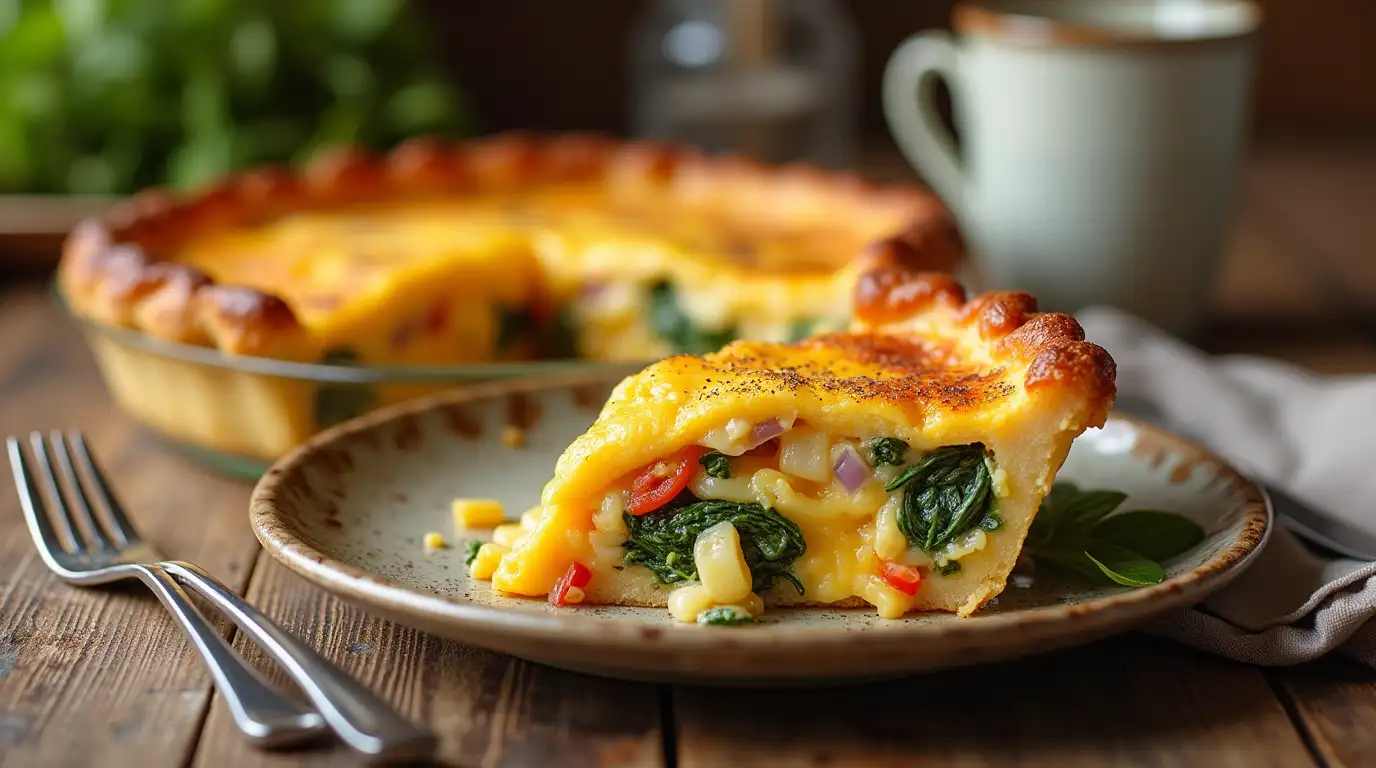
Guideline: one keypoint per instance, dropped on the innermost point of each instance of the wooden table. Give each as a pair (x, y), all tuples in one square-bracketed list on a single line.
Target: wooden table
[(104, 677)]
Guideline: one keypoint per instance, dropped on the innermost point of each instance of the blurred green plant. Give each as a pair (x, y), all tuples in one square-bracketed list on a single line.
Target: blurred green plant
[(108, 96)]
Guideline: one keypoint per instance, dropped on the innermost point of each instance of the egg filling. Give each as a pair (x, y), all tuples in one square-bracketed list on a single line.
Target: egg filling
[(783, 511)]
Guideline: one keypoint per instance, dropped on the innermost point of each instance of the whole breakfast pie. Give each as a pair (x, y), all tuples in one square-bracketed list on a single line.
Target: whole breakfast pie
[(898, 464), (507, 248)]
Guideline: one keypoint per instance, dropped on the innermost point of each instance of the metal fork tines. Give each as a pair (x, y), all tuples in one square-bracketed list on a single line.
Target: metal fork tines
[(85, 537), (81, 548)]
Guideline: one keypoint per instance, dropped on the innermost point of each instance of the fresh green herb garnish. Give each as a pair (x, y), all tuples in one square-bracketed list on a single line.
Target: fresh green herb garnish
[(470, 551), (947, 493), (951, 566), (669, 323), (514, 325), (1076, 532), (339, 402), (724, 616), (663, 540), (716, 464), (887, 450)]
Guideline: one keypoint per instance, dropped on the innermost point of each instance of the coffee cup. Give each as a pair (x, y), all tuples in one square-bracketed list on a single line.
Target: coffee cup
[(1099, 143)]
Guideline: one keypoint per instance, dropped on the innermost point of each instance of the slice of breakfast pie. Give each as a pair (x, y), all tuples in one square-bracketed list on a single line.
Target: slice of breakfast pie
[(897, 464)]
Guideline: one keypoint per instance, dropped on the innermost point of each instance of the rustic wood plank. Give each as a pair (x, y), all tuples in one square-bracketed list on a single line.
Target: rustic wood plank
[(489, 709), (1335, 701), (1128, 700), (91, 674)]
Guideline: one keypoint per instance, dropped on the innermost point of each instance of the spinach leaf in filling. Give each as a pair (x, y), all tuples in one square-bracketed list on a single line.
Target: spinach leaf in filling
[(945, 494), (339, 402), (716, 464), (669, 323), (663, 540)]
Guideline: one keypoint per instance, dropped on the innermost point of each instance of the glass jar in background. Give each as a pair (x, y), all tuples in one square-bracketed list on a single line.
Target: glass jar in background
[(775, 79)]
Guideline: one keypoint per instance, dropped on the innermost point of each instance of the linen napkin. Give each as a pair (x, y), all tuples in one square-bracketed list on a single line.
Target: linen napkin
[(1313, 436)]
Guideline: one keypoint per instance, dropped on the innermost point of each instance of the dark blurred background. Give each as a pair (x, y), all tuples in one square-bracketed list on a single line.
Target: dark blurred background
[(103, 97), (539, 64)]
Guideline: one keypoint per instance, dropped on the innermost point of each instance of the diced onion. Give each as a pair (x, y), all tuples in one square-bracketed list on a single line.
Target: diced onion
[(765, 431), (850, 469)]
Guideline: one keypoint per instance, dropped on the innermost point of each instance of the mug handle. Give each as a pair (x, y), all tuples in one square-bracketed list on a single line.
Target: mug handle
[(913, 118)]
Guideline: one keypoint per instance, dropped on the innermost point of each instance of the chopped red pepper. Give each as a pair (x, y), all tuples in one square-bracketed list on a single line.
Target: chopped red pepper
[(657, 484), (576, 577), (904, 578)]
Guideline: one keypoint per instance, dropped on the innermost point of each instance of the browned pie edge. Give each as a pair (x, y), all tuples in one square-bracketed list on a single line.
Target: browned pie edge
[(1050, 344), (114, 267)]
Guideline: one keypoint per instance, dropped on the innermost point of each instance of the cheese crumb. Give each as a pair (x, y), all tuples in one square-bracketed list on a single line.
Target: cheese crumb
[(485, 564), (513, 436), (478, 513), (435, 540), (508, 535)]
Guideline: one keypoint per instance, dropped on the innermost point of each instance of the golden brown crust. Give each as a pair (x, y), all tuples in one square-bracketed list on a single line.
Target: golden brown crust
[(115, 265), (1050, 345)]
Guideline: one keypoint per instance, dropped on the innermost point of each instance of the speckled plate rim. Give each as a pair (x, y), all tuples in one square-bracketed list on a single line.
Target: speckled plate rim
[(1088, 619)]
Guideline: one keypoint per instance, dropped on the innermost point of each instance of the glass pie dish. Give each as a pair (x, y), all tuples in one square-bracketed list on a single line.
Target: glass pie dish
[(237, 414), (244, 317)]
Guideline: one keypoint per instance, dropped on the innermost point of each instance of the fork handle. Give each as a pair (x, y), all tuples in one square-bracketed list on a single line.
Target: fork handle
[(264, 715), (361, 719)]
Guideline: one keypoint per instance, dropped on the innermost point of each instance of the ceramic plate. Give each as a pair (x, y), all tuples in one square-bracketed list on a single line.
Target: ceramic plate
[(348, 511)]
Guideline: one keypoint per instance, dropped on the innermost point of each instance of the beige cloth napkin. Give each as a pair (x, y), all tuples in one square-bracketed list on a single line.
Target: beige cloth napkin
[(1314, 436)]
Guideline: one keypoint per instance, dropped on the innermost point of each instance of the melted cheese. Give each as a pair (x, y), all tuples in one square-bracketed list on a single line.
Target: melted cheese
[(933, 387), (373, 277)]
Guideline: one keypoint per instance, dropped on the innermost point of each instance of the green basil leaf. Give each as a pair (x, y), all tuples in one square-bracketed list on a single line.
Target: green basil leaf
[(1152, 533), (1050, 513), (1089, 507), (1073, 563), (1124, 566), (951, 566)]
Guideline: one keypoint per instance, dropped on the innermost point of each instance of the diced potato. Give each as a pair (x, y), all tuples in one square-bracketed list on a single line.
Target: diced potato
[(686, 602), (435, 540), (532, 516), (485, 564), (513, 436), (721, 563), (478, 513), (889, 541), (507, 535), (806, 452)]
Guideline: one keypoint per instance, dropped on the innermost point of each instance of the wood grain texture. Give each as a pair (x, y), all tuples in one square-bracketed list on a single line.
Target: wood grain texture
[(490, 710), (1125, 701), (100, 672), (1335, 701)]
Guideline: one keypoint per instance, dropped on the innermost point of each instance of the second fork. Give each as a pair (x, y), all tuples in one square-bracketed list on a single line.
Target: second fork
[(361, 719)]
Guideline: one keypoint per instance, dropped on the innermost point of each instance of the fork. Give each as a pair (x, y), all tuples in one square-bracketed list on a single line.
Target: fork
[(114, 551)]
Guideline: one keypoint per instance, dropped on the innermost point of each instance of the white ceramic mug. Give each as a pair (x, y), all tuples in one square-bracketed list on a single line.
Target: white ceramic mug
[(1100, 142)]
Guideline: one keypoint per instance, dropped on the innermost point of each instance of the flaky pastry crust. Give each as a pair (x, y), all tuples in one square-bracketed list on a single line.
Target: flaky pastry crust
[(115, 267)]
